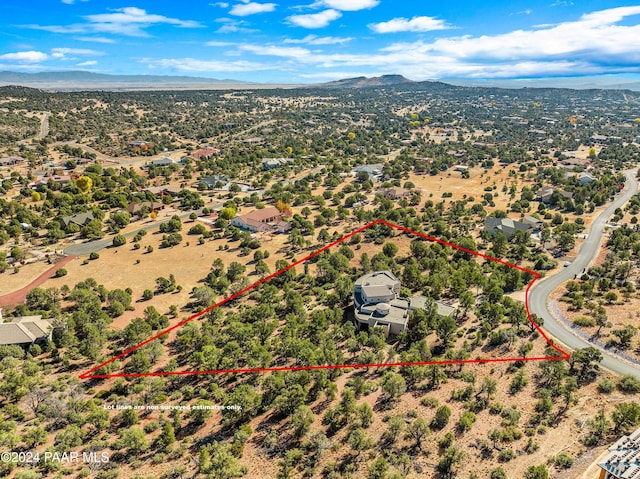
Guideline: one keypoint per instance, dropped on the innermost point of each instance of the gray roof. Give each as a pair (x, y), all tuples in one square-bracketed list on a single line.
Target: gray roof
[(506, 225), (25, 330), (80, 219), (623, 460)]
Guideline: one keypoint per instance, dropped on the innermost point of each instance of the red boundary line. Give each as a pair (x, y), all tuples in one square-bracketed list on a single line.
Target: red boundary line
[(564, 355)]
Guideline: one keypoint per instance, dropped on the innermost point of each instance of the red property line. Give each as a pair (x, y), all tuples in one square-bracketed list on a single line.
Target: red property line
[(563, 354)]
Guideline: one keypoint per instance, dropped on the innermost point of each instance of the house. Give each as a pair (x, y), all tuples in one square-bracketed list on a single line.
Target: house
[(214, 182), (138, 143), (138, 208), (585, 178), (506, 226), (545, 194), (162, 162), (271, 163), (203, 152), (535, 223), (599, 139), (267, 219), (11, 160), (163, 190), (80, 219), (25, 331), (460, 167), (623, 459), (377, 303), (373, 170), (60, 179), (394, 193)]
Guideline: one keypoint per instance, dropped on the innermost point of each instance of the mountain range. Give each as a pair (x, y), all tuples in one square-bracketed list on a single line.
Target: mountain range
[(83, 80)]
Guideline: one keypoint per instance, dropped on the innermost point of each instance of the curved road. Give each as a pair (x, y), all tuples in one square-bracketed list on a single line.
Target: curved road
[(539, 293)]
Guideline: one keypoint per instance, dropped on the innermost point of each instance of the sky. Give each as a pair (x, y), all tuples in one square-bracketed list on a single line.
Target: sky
[(310, 41)]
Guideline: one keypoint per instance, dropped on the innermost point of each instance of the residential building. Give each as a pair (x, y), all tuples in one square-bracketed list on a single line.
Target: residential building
[(377, 303), (214, 182), (204, 152), (25, 330), (148, 206), (545, 194), (80, 219), (11, 160), (623, 460), (394, 193), (163, 190), (373, 170), (271, 163), (506, 226), (60, 179), (266, 219), (162, 162)]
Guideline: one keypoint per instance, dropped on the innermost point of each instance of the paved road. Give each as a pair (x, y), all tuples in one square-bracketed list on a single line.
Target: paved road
[(18, 297), (81, 249), (539, 293), (44, 126)]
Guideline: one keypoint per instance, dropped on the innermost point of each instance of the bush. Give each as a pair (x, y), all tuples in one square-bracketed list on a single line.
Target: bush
[(60, 273), (606, 386), (584, 321), (119, 240), (147, 294), (94, 255), (506, 455), (441, 418), (629, 384), (498, 473), (197, 229), (562, 460)]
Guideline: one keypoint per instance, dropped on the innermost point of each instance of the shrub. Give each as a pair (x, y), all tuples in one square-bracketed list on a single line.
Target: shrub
[(498, 473), (94, 255), (606, 386), (60, 273), (119, 240), (629, 384), (147, 294), (506, 455), (562, 460), (584, 321)]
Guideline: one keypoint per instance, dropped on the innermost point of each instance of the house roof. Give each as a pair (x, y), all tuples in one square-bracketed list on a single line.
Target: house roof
[(80, 219), (623, 460), (24, 330), (261, 215)]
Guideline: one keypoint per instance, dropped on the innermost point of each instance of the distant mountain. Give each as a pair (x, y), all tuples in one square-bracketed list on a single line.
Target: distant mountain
[(573, 83), (83, 80), (364, 82)]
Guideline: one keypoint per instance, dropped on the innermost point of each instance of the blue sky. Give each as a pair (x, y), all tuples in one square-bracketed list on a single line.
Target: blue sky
[(319, 40)]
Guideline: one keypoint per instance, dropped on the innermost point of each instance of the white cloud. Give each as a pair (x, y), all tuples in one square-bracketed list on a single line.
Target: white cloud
[(298, 53), (95, 39), (25, 57), (594, 44), (220, 44), (416, 24), (316, 40), (219, 4), (129, 21), (196, 65), (64, 52), (89, 63), (71, 2), (350, 5), (315, 20), (251, 8)]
